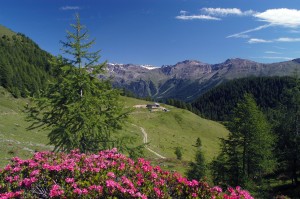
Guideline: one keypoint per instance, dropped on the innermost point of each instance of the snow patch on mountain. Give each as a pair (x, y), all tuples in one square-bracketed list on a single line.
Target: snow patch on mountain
[(149, 67)]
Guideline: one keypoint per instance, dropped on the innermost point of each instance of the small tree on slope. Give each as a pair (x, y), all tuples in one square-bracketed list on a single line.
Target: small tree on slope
[(197, 169), (81, 110)]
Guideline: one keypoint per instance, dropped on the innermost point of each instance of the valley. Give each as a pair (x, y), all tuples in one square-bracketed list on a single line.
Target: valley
[(189, 79)]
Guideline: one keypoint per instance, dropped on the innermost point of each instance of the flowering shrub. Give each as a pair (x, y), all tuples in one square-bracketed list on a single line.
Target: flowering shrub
[(107, 174)]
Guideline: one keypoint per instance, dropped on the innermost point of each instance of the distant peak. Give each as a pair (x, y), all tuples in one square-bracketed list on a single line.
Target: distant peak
[(191, 62)]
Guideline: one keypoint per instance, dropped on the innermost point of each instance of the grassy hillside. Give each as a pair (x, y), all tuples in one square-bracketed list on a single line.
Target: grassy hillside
[(15, 139), (178, 127), (165, 130), (6, 31)]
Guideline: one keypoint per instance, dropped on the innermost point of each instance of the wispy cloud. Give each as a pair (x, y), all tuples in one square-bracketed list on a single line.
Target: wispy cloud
[(272, 52), (287, 39), (255, 40), (282, 17), (213, 13), (70, 8), (201, 17), (226, 11), (242, 34), (281, 39)]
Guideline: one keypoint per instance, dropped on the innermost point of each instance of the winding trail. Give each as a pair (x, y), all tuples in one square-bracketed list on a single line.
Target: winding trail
[(145, 140)]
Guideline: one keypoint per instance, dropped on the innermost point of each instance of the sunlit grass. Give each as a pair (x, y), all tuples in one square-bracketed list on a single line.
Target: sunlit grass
[(166, 130)]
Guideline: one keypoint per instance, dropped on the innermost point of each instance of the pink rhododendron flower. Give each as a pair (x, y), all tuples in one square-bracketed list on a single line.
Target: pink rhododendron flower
[(56, 191), (111, 175), (69, 180), (105, 174), (158, 192), (216, 189), (34, 173)]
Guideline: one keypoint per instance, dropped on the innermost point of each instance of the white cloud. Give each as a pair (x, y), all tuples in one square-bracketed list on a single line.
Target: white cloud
[(201, 17), (280, 17), (214, 14), (249, 12), (70, 8), (222, 11), (241, 34), (227, 11), (281, 39), (287, 39), (272, 52), (255, 40)]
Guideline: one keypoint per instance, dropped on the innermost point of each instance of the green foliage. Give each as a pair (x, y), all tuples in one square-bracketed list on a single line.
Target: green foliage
[(24, 67), (182, 105), (77, 47), (198, 143), (218, 103), (81, 110), (197, 168), (247, 154), (286, 121), (178, 153), (7, 32)]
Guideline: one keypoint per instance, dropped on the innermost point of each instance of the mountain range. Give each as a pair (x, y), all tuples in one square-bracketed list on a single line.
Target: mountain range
[(188, 79), (185, 80)]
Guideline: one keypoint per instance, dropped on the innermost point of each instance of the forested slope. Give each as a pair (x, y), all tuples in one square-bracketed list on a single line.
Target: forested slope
[(24, 67), (219, 102)]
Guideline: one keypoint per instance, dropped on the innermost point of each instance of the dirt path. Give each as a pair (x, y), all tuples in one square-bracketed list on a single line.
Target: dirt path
[(145, 140)]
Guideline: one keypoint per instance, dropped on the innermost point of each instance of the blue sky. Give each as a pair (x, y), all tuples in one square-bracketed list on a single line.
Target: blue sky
[(158, 32)]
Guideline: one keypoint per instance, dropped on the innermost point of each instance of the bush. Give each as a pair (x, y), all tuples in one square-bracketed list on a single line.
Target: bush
[(178, 153), (107, 174)]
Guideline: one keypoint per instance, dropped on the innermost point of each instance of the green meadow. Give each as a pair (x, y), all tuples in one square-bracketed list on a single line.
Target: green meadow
[(166, 130)]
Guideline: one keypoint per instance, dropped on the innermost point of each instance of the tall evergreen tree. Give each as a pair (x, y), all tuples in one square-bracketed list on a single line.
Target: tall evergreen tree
[(81, 110), (288, 131), (248, 151)]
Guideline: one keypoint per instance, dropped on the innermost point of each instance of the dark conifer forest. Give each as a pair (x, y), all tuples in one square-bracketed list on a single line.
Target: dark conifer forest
[(24, 67), (218, 103)]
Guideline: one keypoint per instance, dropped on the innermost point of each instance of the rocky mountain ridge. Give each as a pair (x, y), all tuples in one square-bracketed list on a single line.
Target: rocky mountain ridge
[(188, 79)]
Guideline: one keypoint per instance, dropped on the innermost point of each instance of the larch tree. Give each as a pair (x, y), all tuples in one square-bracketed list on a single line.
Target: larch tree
[(247, 154), (80, 110)]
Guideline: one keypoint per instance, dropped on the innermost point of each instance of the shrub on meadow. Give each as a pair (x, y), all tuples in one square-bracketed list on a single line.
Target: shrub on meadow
[(107, 174)]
